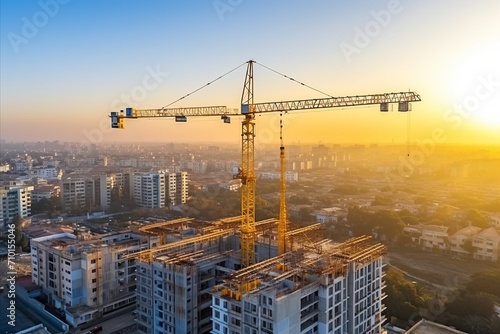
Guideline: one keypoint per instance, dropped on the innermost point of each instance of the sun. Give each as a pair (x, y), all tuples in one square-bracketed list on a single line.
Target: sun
[(489, 114), (475, 85)]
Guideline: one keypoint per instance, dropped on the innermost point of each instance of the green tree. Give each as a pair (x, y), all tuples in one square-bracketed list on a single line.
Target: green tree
[(382, 200), (480, 304), (116, 199), (18, 233), (486, 281), (299, 200), (403, 301), (21, 241), (476, 218), (468, 246), (389, 224), (443, 214), (359, 220)]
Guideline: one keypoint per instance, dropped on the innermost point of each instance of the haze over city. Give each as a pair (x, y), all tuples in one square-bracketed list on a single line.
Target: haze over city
[(344, 180), (65, 67)]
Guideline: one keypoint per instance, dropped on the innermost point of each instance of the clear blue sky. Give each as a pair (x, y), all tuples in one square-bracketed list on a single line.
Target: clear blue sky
[(66, 64)]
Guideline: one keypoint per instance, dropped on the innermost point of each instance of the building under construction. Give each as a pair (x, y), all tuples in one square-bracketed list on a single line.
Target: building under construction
[(195, 283), (237, 275)]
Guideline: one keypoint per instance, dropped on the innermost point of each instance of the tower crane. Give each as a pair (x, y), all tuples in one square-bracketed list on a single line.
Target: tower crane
[(248, 110)]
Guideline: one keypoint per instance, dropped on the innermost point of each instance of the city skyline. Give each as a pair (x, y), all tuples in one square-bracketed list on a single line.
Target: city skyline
[(66, 65)]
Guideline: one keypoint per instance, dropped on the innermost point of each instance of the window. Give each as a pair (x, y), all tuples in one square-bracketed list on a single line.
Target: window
[(92, 261)]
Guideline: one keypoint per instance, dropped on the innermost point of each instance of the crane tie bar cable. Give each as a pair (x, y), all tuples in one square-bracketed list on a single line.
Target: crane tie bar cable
[(207, 84), (292, 79)]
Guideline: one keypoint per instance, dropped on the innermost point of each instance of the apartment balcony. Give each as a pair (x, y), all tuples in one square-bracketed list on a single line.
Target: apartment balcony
[(307, 302)]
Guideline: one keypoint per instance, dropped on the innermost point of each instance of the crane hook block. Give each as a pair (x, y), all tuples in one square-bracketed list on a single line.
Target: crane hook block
[(404, 106)]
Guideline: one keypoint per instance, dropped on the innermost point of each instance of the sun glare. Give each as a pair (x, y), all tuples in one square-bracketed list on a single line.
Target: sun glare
[(489, 115), (475, 84)]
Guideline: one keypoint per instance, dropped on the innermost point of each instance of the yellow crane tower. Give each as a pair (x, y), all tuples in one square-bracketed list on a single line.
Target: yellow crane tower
[(248, 110)]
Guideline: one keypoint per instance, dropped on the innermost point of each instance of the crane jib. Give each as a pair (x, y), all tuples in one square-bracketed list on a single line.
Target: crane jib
[(180, 114)]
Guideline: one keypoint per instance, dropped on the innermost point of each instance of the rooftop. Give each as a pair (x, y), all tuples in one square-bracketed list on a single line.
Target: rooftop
[(429, 327)]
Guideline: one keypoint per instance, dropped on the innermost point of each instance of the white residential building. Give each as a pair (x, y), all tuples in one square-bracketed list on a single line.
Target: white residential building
[(23, 164), (148, 189), (73, 193), (429, 237), (459, 239), (495, 220), (329, 215), (49, 172), (290, 176), (45, 191), (15, 201), (87, 279), (487, 244), (155, 189)]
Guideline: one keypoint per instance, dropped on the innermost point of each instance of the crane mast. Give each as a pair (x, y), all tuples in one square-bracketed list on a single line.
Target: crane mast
[(282, 216), (247, 172)]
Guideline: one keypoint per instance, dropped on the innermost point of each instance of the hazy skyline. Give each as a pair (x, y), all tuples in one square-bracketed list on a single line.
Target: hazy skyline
[(65, 65)]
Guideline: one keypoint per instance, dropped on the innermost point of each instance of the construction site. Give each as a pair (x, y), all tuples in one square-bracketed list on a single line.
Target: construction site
[(238, 275)]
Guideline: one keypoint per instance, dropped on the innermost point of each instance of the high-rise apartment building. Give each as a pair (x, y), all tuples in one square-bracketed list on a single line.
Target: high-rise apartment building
[(159, 189), (87, 278), (94, 191), (73, 193), (148, 189), (15, 200)]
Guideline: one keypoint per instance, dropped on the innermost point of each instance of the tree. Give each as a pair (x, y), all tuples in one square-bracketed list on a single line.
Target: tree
[(21, 241), (305, 215), (476, 218), (17, 221), (382, 200), (299, 200), (486, 281), (116, 199), (403, 301), (468, 246), (480, 304), (389, 224), (359, 220), (443, 214)]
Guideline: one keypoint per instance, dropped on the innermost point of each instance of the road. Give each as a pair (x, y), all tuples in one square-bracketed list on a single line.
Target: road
[(442, 275), (117, 322)]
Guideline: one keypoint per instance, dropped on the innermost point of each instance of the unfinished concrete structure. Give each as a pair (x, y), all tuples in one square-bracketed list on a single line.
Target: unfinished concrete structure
[(197, 284)]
